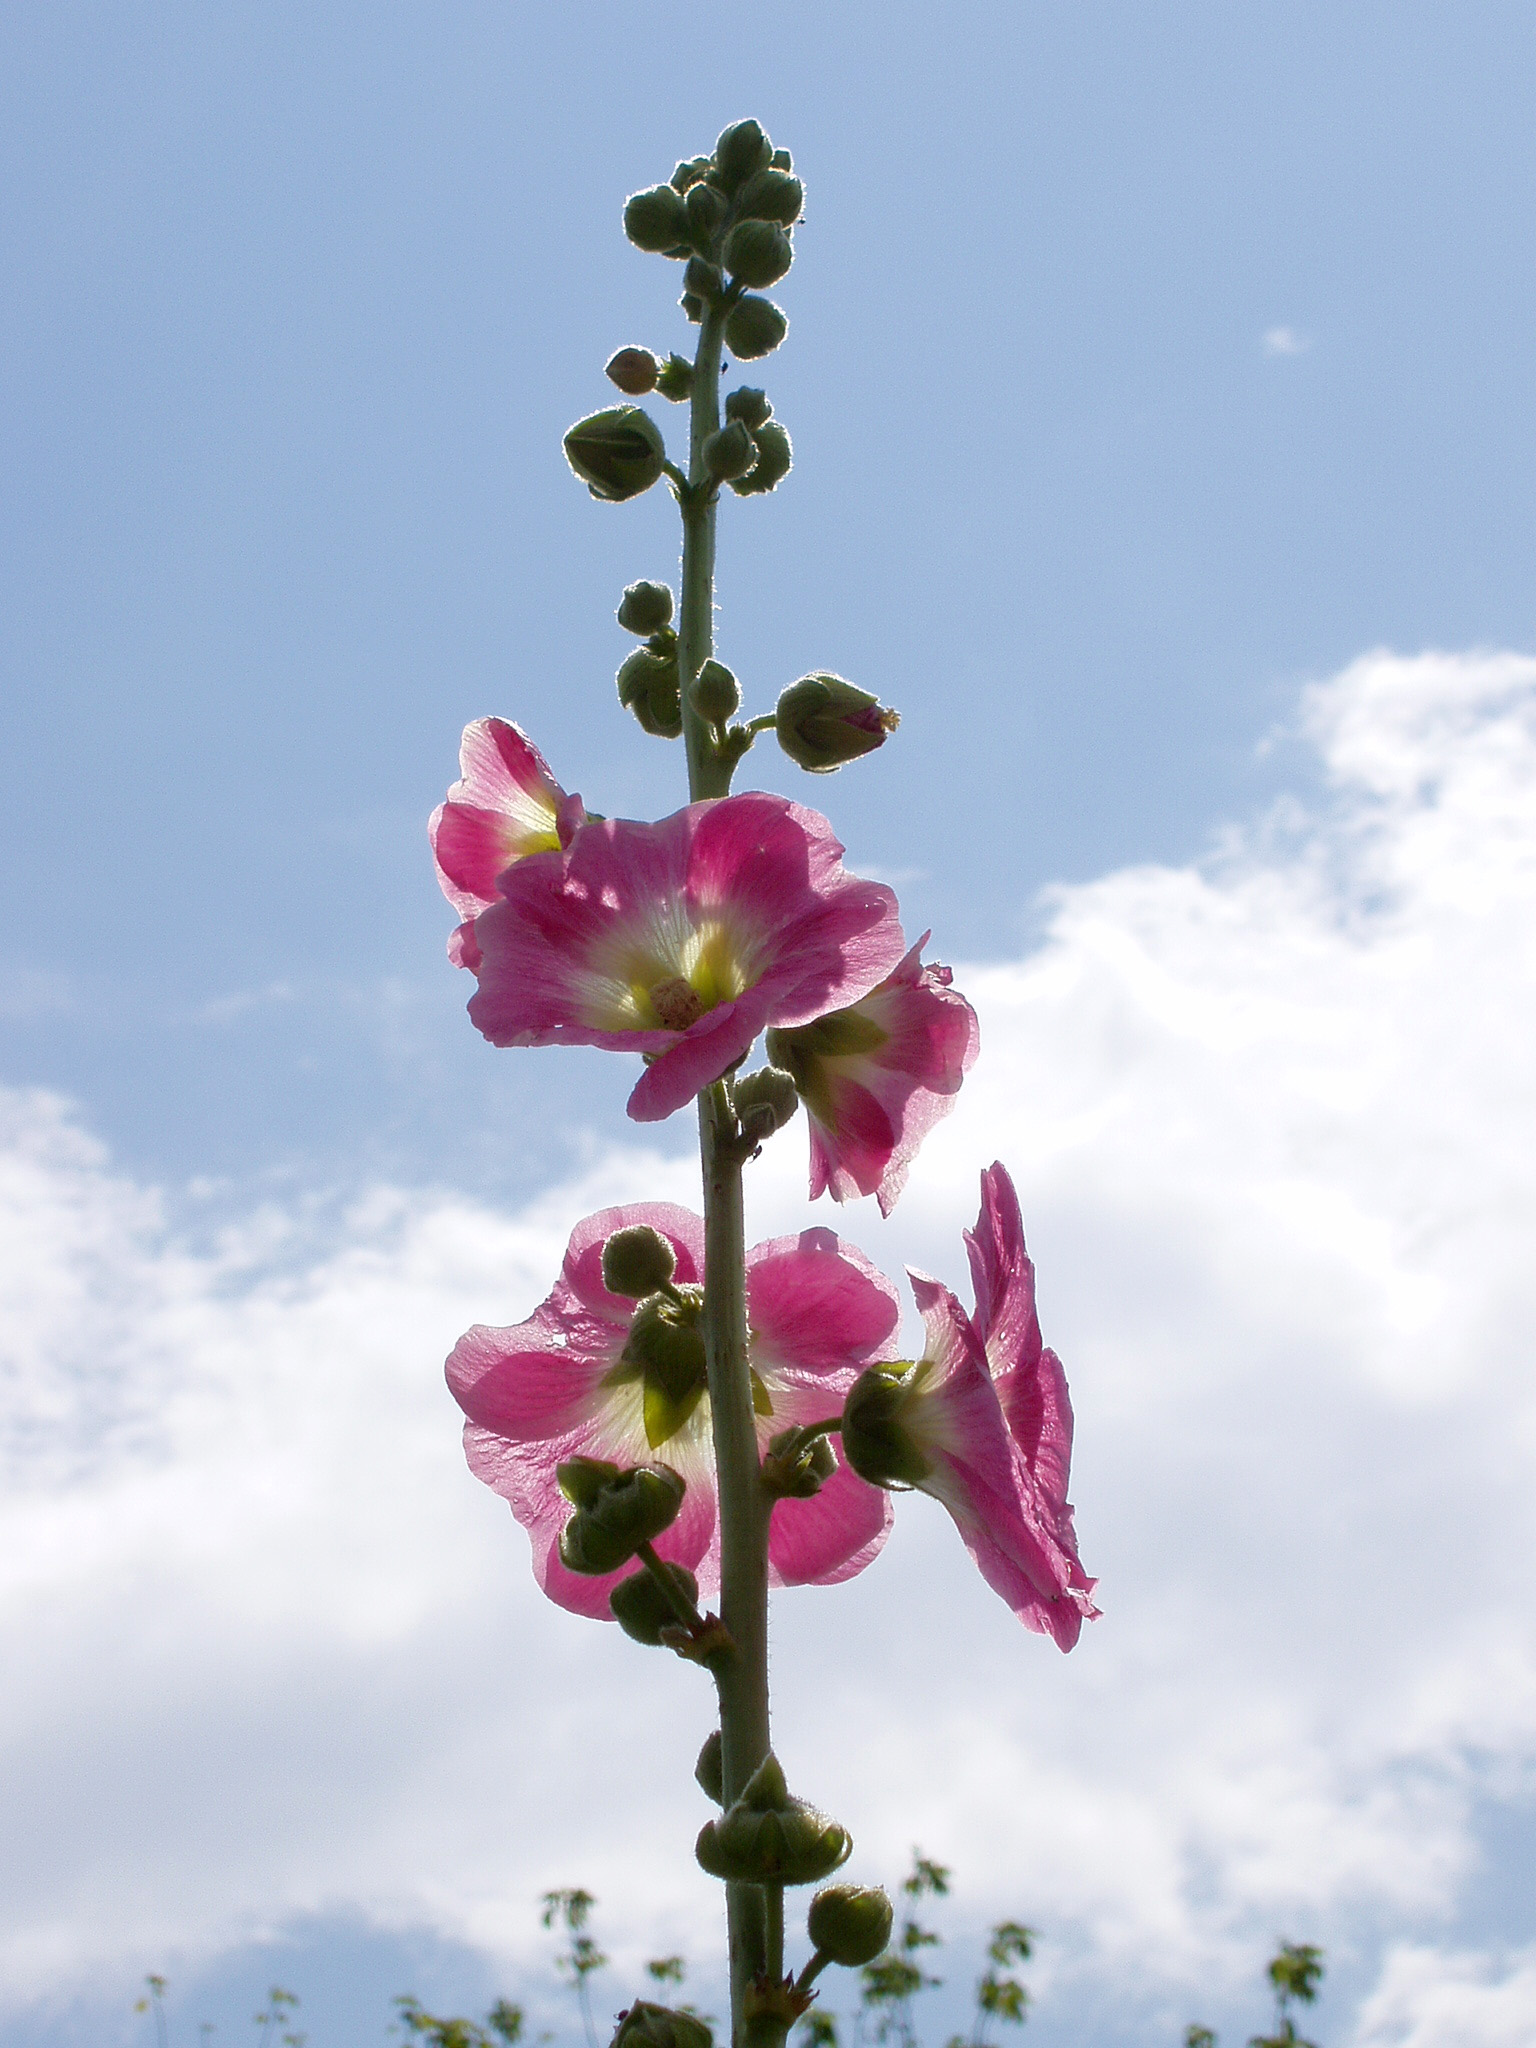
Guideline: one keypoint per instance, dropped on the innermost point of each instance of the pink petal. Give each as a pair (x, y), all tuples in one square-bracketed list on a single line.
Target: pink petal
[(582, 1271), (832, 1536), (697, 1058), (505, 805), (1003, 1277), (818, 1309)]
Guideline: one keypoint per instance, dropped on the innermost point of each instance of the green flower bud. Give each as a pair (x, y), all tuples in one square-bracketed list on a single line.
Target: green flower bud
[(642, 1609), (716, 693), (781, 160), (730, 453), (771, 195), (754, 327), (796, 1470), (704, 280), (648, 686), (655, 221), (657, 2026), (666, 1343), (850, 1923), (742, 149), (765, 1837), (645, 608), (822, 722), (693, 307), (775, 458), (750, 406), (706, 211), (758, 252), (876, 1442), (674, 379), (634, 370), (581, 1480), (709, 1771), (765, 1102), (606, 1531), (690, 171), (637, 1261), (617, 454)]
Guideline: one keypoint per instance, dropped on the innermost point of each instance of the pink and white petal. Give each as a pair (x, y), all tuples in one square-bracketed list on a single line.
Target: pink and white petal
[(1038, 1411), (528, 1383), (856, 1143), (984, 1522), (473, 846), (582, 1271), (502, 768), (464, 947), (832, 1536), (697, 1058), (817, 1308)]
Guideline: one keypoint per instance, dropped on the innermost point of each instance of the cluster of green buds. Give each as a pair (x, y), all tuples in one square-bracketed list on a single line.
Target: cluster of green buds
[(768, 1837), (752, 451), (616, 1511), (647, 680), (728, 218)]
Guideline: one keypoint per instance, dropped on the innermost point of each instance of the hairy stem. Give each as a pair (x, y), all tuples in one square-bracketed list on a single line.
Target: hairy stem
[(744, 1508), (708, 774)]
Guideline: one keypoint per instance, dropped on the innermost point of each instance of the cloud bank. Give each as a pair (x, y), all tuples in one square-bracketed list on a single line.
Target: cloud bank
[(273, 1653)]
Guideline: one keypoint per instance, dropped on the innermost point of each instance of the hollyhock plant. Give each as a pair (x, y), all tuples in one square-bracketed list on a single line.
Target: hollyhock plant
[(876, 1077), (570, 1383), (681, 940), (939, 1425), (505, 806), (661, 1432)]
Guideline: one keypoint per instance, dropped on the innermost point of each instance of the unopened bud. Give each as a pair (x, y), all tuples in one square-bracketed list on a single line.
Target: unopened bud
[(758, 252), (781, 160), (645, 608), (648, 687), (693, 307), (655, 221), (771, 195), (637, 1261), (634, 370), (617, 454), (730, 453), (581, 1480), (775, 458), (765, 1102), (674, 379), (657, 2026), (709, 1771), (606, 1531), (795, 1469), (754, 327), (823, 722), (642, 1609), (765, 1837), (689, 172), (716, 693), (705, 280), (850, 1923), (749, 405), (706, 211), (742, 149), (876, 1441), (666, 1342)]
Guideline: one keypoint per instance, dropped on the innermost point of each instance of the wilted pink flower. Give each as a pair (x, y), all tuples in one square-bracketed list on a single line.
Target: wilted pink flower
[(505, 806), (681, 940), (982, 1422), (875, 1078), (559, 1386)]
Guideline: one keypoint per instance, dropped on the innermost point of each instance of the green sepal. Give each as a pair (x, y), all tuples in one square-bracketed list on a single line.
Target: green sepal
[(617, 453), (876, 1441), (749, 405), (771, 195), (642, 1609), (775, 457), (674, 380), (741, 150)]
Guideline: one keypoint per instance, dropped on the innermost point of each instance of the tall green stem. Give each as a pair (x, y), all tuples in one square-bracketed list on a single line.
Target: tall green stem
[(744, 1508)]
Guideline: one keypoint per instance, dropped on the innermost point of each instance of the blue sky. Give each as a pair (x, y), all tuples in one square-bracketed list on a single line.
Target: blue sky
[(1145, 366)]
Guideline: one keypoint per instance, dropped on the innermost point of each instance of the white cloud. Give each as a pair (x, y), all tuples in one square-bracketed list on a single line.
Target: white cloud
[(1270, 1120), (1285, 341), (1427, 1999)]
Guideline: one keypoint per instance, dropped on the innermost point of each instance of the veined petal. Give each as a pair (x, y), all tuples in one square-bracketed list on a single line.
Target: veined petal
[(830, 1537), (819, 1311)]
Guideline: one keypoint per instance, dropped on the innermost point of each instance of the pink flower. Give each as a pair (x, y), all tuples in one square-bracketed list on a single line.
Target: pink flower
[(875, 1078), (559, 1386), (505, 806), (681, 940), (1031, 1384), (982, 1423)]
